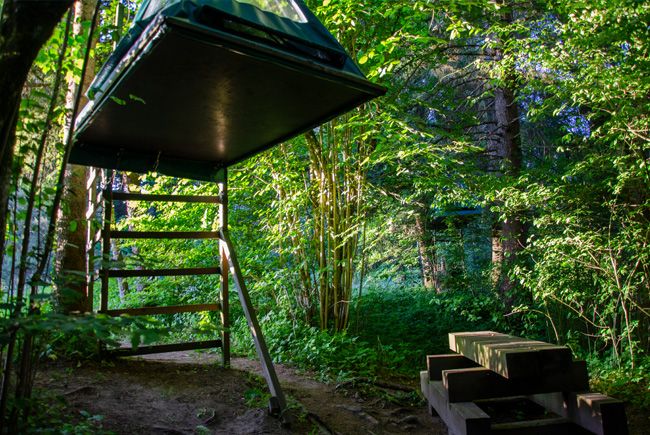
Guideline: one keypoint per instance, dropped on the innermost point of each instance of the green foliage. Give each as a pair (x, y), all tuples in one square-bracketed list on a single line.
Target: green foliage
[(78, 336), (631, 384), (419, 320), (49, 416), (582, 277), (577, 70), (336, 356), (256, 397)]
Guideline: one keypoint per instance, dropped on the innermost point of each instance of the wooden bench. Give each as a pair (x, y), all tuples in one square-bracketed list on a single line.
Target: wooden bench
[(490, 367)]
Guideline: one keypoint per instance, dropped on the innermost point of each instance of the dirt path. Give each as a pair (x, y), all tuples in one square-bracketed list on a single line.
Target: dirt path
[(190, 393)]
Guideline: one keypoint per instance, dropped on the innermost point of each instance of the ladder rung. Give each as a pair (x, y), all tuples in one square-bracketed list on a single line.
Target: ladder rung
[(162, 348), (117, 273), (123, 196), (164, 234), (172, 309)]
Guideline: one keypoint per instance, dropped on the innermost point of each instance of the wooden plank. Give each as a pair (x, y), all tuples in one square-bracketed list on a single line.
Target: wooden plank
[(114, 273), (545, 426), (93, 174), (164, 234), (170, 309), (164, 348), (512, 357), (469, 384), (89, 253), (595, 412), (437, 363), (91, 209), (464, 418), (106, 248), (260, 345), (123, 196), (97, 236)]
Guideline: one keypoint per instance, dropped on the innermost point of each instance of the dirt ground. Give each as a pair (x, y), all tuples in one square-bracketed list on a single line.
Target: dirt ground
[(190, 393)]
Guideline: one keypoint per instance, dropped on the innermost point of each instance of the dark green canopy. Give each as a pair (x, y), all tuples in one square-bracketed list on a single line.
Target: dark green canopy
[(196, 86)]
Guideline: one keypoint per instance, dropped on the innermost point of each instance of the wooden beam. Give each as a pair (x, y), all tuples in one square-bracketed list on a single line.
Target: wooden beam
[(511, 357), (545, 426), (170, 309), (595, 412), (97, 236), (469, 384), (253, 324), (123, 196), (464, 418), (164, 234), (89, 254), (106, 247), (114, 273), (437, 363), (163, 348)]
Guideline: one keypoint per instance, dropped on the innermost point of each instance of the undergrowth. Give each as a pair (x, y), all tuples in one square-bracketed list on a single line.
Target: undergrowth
[(624, 382), (392, 331), (390, 335), (333, 356), (50, 416)]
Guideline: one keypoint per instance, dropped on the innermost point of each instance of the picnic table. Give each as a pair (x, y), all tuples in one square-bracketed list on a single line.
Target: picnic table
[(497, 383)]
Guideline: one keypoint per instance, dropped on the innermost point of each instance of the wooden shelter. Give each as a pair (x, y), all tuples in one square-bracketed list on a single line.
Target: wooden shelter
[(194, 87)]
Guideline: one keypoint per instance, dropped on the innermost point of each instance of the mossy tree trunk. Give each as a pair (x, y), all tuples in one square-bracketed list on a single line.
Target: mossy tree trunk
[(24, 28), (71, 259)]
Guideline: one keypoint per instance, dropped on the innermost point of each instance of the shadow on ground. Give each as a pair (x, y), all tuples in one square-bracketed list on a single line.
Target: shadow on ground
[(190, 393)]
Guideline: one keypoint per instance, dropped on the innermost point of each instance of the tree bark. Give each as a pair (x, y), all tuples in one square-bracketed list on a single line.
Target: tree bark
[(6, 163), (507, 155), (24, 28), (512, 229), (72, 266), (426, 251)]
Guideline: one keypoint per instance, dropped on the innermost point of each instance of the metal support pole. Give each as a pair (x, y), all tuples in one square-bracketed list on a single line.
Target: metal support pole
[(278, 402), (225, 310)]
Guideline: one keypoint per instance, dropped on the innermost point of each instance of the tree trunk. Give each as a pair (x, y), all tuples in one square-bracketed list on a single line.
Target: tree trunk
[(72, 263), (6, 163), (507, 160), (512, 230), (497, 254), (24, 28), (425, 249)]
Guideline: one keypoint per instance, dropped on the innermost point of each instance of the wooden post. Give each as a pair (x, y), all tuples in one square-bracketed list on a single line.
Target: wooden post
[(278, 402), (90, 237), (464, 418), (225, 311), (599, 414), (106, 240), (436, 364)]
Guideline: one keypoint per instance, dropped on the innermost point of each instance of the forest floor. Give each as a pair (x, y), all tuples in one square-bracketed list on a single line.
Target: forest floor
[(190, 393)]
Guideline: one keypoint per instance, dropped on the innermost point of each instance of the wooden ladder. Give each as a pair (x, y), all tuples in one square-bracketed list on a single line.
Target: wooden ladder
[(105, 273), (228, 264)]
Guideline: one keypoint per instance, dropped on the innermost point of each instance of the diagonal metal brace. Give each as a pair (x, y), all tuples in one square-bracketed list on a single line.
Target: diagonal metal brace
[(260, 345)]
